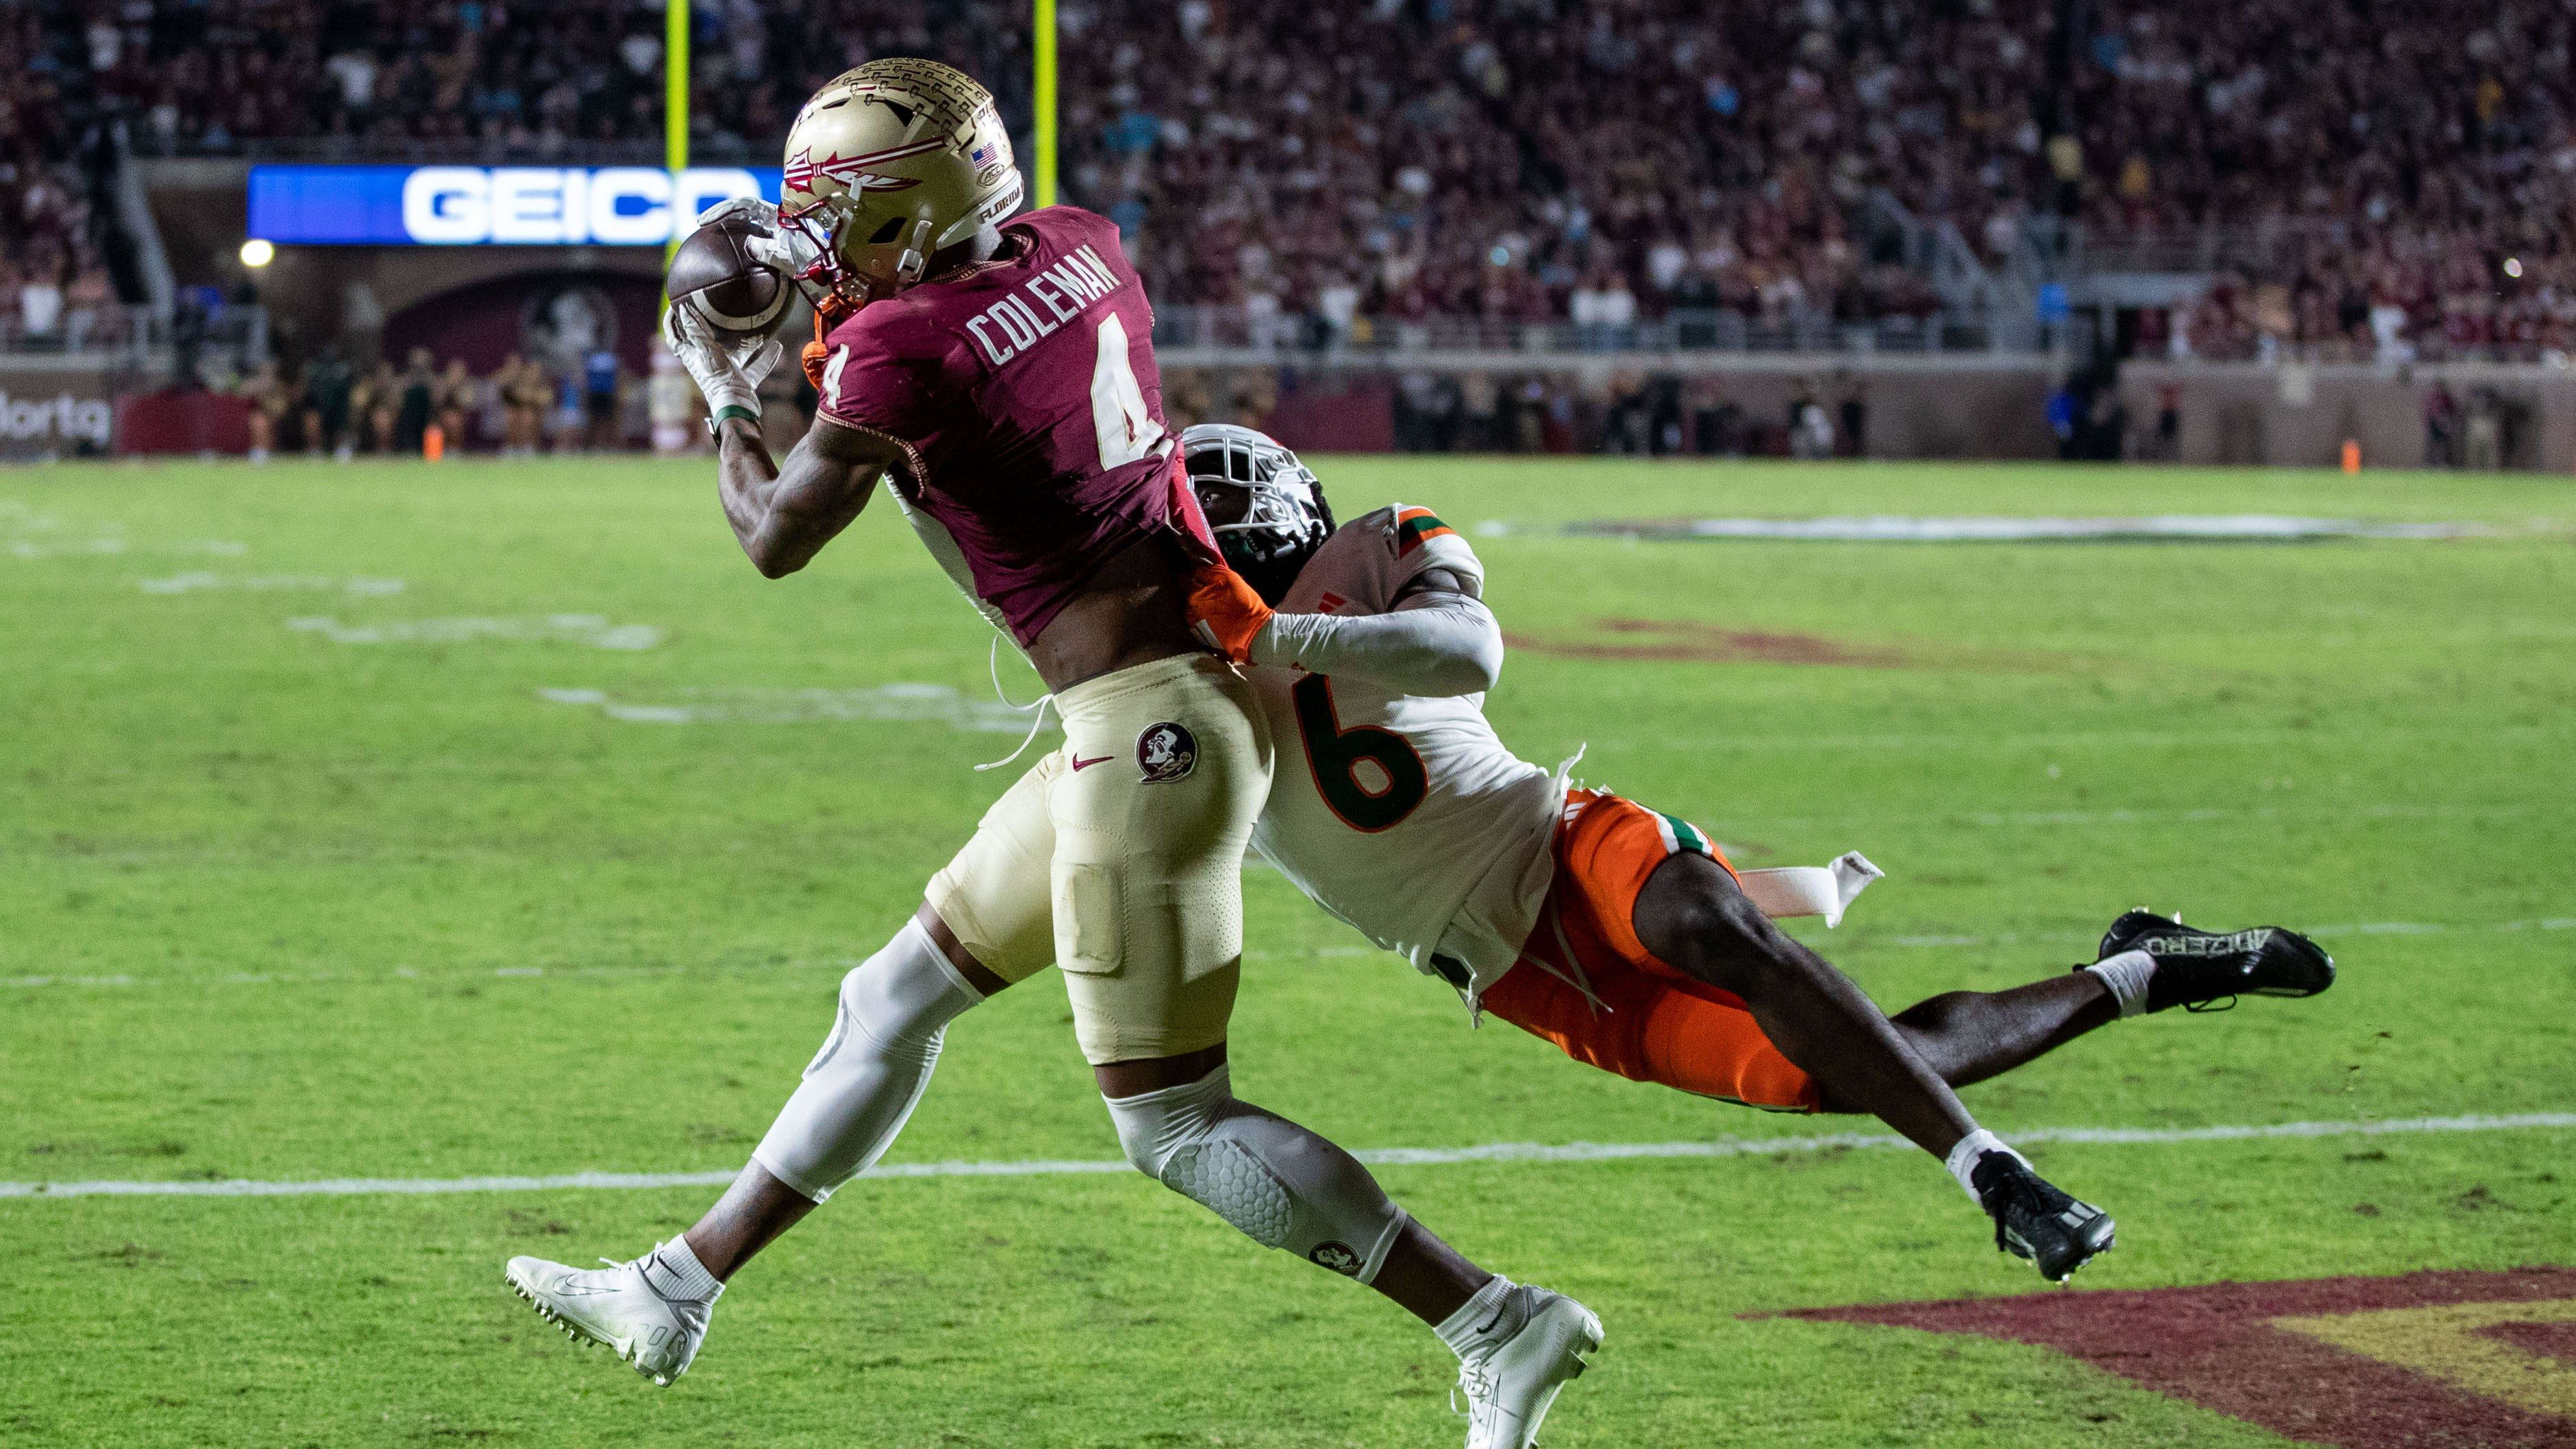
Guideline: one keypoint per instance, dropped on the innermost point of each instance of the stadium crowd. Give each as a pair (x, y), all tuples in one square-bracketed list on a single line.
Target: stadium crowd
[(52, 283), (523, 407), (2394, 177)]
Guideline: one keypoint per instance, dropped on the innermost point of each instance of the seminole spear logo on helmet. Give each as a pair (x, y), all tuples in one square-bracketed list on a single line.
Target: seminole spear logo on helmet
[(913, 158), (851, 171)]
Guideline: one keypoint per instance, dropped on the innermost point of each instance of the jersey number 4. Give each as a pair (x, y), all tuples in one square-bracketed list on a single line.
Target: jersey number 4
[(1378, 800), (1119, 418)]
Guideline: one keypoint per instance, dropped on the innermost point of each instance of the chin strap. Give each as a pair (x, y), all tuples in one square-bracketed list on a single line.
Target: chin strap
[(829, 313)]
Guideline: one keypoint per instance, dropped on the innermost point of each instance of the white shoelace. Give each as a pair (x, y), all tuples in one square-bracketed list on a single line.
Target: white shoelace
[(1572, 974)]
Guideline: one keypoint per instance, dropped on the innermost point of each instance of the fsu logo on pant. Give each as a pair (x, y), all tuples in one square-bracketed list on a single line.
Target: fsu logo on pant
[(1336, 1256), (1166, 751)]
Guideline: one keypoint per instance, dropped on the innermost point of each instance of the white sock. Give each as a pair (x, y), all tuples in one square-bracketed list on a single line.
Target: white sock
[(675, 1272), (1458, 1330), (1962, 1161), (2127, 975)]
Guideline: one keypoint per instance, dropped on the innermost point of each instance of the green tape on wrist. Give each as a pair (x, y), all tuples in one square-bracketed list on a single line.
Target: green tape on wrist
[(733, 410)]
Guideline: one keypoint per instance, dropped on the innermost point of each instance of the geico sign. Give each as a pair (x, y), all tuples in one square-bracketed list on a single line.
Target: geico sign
[(29, 420), (557, 206)]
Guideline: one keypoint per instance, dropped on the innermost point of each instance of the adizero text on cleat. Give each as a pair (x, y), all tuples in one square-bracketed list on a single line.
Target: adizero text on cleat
[(1533, 1345), (2198, 969), (616, 1306), (2035, 1220)]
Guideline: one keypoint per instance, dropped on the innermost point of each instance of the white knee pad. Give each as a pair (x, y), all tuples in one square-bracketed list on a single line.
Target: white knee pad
[(1282, 1185), (862, 1086)]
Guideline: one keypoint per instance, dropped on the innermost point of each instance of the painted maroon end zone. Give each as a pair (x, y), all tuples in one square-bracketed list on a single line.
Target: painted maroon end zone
[(2214, 1346)]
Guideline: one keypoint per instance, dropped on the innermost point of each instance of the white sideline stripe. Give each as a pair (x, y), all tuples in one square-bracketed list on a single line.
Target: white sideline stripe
[(515, 973), (449, 978), (1384, 1156)]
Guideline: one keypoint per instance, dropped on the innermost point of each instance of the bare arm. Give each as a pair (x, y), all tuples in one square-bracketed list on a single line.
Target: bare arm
[(1439, 640), (784, 514)]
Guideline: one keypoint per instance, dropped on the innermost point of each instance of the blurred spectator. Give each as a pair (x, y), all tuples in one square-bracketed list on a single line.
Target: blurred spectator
[(270, 403), (570, 416), (40, 302), (522, 384), (378, 401), (674, 404), (416, 398), (454, 394), (599, 390), (2441, 417), (327, 386)]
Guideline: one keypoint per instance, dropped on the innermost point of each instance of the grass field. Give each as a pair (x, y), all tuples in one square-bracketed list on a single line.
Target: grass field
[(306, 875)]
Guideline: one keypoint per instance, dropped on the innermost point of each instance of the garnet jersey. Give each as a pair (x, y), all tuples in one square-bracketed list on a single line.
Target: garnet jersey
[(1025, 392), (1403, 815)]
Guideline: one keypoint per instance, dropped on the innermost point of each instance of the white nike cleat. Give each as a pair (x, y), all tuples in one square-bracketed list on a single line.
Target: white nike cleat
[(1511, 1374), (616, 1306)]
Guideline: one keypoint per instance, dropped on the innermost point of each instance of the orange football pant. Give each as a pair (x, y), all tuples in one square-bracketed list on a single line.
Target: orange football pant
[(1643, 1019)]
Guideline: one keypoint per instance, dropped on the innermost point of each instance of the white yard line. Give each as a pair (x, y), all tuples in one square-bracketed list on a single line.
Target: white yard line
[(509, 973), (407, 974), (2364, 928), (1389, 1156)]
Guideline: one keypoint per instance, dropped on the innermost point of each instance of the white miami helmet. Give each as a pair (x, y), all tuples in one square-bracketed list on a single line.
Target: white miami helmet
[(1267, 509)]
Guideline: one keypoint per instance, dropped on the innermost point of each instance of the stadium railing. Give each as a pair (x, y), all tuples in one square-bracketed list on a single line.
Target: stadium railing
[(1288, 336), (129, 334)]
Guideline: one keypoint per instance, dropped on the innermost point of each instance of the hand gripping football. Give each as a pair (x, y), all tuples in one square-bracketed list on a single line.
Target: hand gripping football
[(715, 275)]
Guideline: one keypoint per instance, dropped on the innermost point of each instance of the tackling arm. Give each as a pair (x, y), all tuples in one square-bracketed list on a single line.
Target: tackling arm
[(784, 514), (1439, 640)]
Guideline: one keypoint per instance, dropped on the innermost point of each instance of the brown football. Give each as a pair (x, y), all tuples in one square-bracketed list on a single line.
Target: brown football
[(714, 275)]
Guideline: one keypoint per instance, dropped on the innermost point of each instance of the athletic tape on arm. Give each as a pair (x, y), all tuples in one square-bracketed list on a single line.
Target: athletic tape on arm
[(1810, 890)]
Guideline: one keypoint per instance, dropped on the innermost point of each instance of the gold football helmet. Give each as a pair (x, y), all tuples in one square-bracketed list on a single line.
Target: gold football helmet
[(887, 164)]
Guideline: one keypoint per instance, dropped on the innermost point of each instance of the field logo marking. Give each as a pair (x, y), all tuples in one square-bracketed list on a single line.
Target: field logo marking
[(1383, 1156), (2450, 1358)]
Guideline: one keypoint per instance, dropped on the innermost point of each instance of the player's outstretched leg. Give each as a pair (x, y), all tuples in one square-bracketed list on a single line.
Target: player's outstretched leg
[(2154, 962), (1286, 1187), (857, 1093), (1691, 915), (2146, 963)]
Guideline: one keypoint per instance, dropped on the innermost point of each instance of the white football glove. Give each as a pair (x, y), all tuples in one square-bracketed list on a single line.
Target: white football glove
[(784, 248), (729, 377)]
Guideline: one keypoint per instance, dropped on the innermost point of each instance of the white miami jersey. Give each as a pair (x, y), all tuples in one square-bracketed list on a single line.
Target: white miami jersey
[(1403, 815)]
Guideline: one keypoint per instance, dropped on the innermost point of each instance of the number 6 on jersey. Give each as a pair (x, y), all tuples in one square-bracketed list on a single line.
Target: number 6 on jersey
[(1335, 755)]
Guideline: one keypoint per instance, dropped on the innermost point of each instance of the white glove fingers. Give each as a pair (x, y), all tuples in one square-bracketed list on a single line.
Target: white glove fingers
[(751, 208)]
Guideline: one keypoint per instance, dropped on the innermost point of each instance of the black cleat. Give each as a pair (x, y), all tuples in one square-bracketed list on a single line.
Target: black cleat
[(2036, 1221), (2198, 970)]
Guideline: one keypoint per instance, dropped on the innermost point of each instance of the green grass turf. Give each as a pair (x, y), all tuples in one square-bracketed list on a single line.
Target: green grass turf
[(274, 906)]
